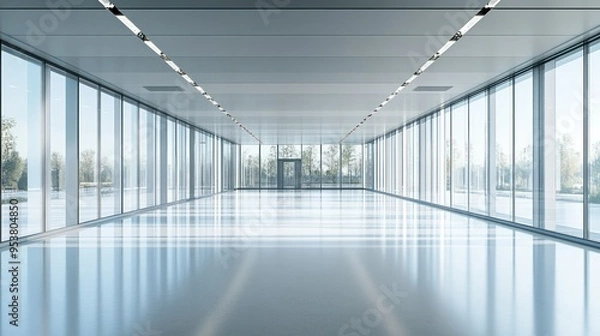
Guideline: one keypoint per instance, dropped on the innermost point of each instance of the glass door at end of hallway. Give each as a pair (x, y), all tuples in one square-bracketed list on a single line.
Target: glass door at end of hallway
[(289, 173)]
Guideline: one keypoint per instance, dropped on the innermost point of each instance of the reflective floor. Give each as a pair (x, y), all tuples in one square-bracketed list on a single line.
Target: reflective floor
[(303, 263)]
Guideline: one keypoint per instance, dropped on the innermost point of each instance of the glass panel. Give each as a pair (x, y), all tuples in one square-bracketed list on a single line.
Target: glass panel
[(387, 165), (183, 154), (289, 152), (143, 158), (57, 119), (109, 175), (502, 185), (352, 166), (523, 126), (447, 158), (409, 162), (227, 160), (289, 176), (249, 167), (434, 157), (399, 163), (460, 130), (21, 169), (331, 166), (268, 167), (158, 159), (208, 163), (564, 83), (477, 154), (426, 159), (130, 156), (172, 189), (311, 166), (594, 142), (369, 166), (147, 165), (416, 162), (88, 153), (197, 186)]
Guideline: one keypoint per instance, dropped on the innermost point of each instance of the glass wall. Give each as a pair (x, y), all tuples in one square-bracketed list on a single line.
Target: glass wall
[(322, 166), (110, 169), (311, 166), (331, 166), (73, 151), (352, 166), (460, 153), (289, 152), (594, 142), (447, 158), (208, 179), (130, 156), (62, 124), (229, 159), (369, 165), (21, 167), (250, 166), (268, 166), (147, 159), (478, 153), (88, 152), (502, 134), (564, 119), (409, 162), (183, 156), (172, 151), (525, 149)]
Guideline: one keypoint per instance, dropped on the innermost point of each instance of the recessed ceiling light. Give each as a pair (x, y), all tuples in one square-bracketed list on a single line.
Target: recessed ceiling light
[(457, 36), (146, 40)]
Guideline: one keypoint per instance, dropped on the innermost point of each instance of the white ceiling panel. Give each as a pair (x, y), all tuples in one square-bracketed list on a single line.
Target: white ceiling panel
[(307, 73)]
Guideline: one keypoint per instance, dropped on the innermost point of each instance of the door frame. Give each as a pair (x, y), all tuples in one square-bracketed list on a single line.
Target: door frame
[(297, 172)]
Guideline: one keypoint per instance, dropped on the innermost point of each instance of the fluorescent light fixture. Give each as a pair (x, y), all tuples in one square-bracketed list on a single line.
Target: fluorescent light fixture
[(457, 36), (445, 47), (129, 24), (425, 66), (187, 78), (153, 47), (470, 24), (492, 3), (412, 78), (173, 65), (138, 32), (107, 4)]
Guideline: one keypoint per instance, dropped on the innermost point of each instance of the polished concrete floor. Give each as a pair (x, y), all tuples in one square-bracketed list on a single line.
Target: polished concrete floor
[(303, 263)]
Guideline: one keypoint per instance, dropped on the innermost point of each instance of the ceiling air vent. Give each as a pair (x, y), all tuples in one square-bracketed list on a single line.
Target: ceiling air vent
[(432, 88), (163, 88)]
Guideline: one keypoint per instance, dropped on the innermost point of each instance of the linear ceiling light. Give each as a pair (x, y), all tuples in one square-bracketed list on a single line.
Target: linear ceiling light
[(138, 32), (457, 36)]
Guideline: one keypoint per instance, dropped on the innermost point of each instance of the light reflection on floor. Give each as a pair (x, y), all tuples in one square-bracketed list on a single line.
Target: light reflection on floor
[(304, 263)]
